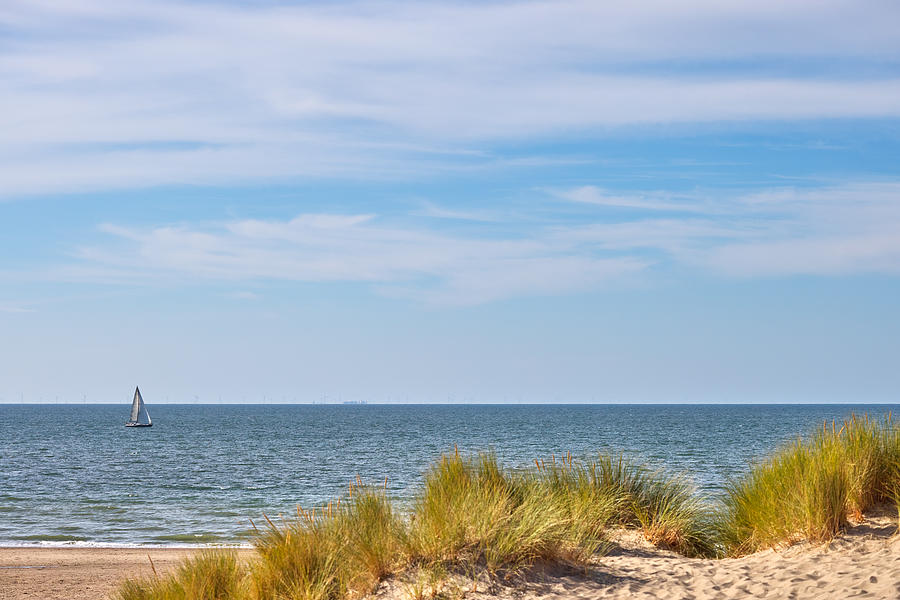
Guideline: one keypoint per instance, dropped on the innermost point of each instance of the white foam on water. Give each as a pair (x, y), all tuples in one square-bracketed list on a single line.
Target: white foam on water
[(89, 544)]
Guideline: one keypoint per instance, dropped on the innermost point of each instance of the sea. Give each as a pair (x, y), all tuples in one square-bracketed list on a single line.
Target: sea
[(204, 474)]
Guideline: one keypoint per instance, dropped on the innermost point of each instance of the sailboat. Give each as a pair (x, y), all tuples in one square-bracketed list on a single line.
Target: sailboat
[(139, 415)]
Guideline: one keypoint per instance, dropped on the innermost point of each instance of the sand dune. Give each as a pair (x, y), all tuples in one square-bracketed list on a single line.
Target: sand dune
[(864, 562)]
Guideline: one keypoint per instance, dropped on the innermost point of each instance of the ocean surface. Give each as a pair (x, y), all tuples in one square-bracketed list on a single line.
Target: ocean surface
[(73, 474)]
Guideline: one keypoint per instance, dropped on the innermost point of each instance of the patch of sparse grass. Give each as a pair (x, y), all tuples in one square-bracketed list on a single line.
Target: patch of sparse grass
[(426, 583)]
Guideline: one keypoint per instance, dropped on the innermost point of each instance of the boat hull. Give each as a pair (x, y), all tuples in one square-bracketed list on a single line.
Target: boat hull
[(138, 424)]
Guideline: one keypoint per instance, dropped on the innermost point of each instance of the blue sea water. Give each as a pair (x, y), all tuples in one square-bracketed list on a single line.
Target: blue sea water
[(73, 474)]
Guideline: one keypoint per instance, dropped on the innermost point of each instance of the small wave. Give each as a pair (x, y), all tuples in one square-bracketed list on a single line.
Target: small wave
[(99, 508), (94, 544), (199, 538), (51, 538)]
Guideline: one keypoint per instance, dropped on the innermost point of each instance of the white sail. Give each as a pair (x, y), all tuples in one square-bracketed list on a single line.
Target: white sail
[(139, 414), (136, 405), (143, 415)]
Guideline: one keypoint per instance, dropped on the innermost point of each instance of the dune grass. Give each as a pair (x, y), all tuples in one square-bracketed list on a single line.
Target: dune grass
[(344, 549), (473, 511), (665, 507), (210, 575), (474, 514), (808, 489), (471, 514)]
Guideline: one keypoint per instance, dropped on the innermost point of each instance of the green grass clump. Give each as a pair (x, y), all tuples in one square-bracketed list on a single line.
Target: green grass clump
[(590, 509), (344, 549), (807, 490), (210, 575), (473, 512)]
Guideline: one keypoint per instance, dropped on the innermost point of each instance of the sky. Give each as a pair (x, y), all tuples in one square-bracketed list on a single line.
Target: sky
[(543, 201)]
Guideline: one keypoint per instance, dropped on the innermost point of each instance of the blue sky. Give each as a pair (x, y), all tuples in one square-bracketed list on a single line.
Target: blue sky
[(450, 201)]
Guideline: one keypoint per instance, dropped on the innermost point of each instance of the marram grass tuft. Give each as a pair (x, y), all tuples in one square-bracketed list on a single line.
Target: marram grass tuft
[(210, 575), (808, 489)]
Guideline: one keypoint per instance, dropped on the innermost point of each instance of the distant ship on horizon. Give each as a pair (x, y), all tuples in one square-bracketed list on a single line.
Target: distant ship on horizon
[(139, 415)]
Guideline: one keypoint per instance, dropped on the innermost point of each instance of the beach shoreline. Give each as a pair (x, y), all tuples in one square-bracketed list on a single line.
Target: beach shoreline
[(863, 561)]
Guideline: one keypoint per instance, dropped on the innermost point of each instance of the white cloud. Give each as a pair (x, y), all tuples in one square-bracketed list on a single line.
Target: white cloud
[(120, 94), (417, 263), (819, 231)]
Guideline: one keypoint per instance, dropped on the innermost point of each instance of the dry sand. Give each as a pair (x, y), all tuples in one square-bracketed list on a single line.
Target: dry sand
[(865, 563), (77, 573)]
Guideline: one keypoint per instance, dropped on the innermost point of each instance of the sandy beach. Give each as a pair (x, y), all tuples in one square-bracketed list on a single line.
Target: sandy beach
[(864, 562), (78, 573)]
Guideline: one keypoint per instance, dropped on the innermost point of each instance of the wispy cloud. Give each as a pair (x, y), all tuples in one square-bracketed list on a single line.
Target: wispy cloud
[(841, 230), (14, 308), (136, 93), (411, 262), (244, 295), (432, 210), (656, 201), (787, 231)]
